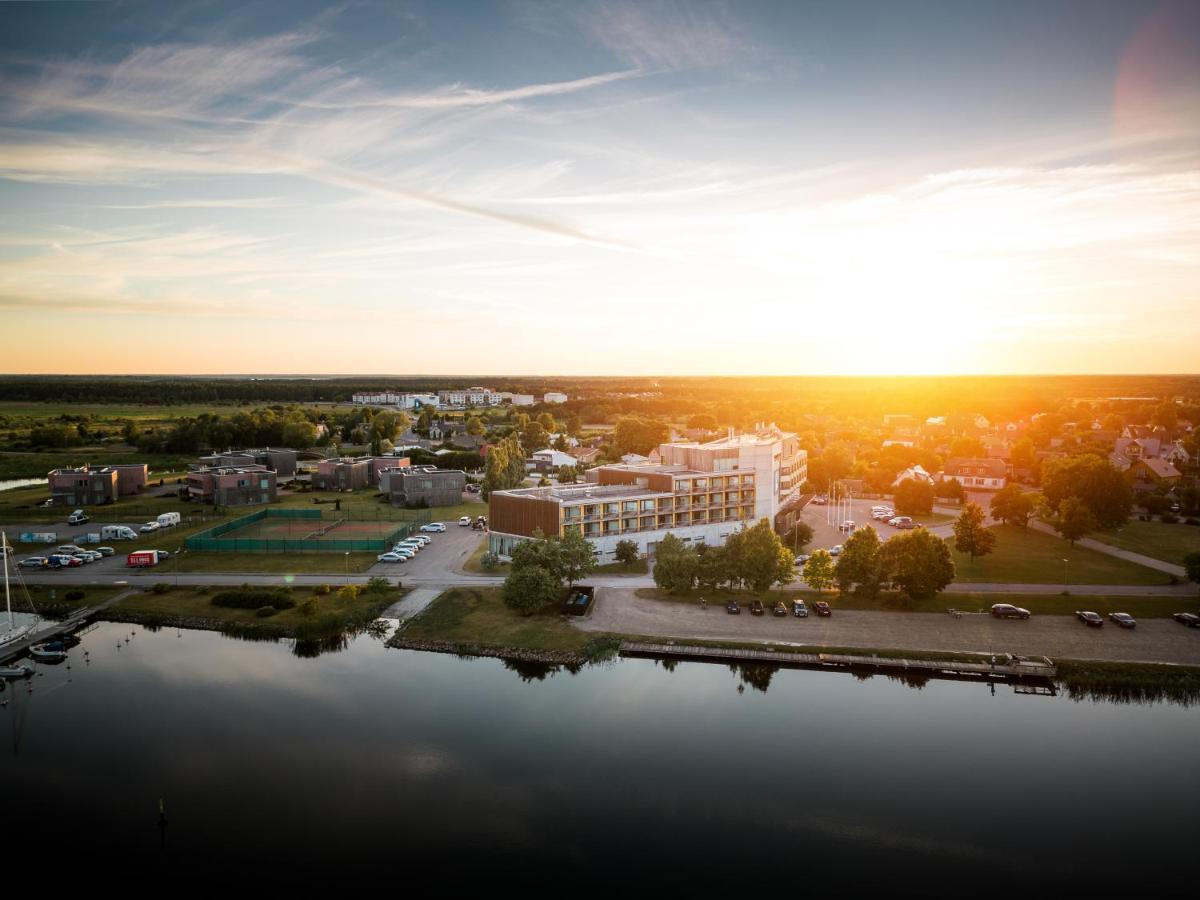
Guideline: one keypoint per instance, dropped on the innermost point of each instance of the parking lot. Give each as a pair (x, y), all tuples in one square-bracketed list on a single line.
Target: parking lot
[(444, 555), (826, 534)]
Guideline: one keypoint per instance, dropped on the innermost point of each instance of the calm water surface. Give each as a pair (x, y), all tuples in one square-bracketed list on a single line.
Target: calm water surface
[(374, 756)]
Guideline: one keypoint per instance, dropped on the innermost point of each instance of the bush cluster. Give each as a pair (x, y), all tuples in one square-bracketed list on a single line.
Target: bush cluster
[(72, 596)]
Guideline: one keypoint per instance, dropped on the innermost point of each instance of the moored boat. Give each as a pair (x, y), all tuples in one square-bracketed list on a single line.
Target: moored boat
[(49, 651)]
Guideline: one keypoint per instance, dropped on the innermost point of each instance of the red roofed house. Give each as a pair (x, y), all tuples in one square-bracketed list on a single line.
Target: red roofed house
[(1151, 474)]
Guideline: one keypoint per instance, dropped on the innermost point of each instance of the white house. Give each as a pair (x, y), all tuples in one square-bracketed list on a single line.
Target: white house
[(554, 397), (913, 473), (552, 459), (977, 474)]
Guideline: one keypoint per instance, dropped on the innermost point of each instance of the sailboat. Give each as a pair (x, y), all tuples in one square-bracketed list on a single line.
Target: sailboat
[(14, 632)]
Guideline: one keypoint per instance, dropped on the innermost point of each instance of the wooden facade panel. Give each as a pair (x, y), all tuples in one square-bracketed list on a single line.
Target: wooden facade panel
[(522, 515)]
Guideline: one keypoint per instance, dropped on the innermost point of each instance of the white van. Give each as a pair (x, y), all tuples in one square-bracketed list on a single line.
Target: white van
[(117, 533), (167, 519), (77, 518)]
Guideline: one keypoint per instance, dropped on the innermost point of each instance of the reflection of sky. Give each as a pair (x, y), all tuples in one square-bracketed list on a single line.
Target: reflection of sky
[(373, 749), (1010, 184)]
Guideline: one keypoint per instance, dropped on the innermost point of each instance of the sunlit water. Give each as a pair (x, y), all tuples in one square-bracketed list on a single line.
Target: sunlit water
[(406, 759)]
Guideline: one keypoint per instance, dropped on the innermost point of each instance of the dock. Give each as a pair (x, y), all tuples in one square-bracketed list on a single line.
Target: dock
[(1007, 667), (53, 630)]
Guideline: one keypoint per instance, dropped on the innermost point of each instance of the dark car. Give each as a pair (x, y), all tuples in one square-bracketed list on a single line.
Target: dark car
[(1090, 619), (1125, 620), (756, 608), (780, 608), (799, 610), (733, 608), (822, 608), (1191, 620), (1008, 611)]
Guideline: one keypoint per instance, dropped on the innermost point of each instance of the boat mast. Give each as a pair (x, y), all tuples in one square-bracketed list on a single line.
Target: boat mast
[(12, 623)]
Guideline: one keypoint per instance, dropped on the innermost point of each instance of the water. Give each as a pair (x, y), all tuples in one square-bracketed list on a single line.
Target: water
[(415, 762), (9, 484)]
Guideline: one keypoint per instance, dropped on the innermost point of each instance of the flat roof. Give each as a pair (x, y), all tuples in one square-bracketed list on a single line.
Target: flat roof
[(583, 493)]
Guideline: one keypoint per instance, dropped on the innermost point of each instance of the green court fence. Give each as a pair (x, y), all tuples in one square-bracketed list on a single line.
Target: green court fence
[(223, 537)]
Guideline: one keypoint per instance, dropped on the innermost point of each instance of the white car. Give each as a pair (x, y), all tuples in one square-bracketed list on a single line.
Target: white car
[(149, 527), (835, 551), (69, 548), (464, 521), (882, 514), (423, 538), (434, 527), (391, 557), (409, 552), (35, 562), (412, 548)]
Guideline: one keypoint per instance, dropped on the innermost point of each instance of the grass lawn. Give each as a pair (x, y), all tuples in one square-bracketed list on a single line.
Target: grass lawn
[(1024, 556), (932, 519), (474, 561), (641, 567), (197, 603), (46, 596), (479, 616), (1170, 543), (36, 463), (1038, 604), (333, 564)]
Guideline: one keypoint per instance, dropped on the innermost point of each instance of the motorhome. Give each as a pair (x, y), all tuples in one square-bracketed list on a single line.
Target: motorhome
[(117, 533), (167, 519)]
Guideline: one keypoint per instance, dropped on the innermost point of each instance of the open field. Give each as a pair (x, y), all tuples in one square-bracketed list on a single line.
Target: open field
[(1170, 543), (36, 463), (479, 616), (1024, 556)]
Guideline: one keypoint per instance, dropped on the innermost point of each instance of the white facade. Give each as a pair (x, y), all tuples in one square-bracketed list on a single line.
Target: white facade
[(472, 396), (554, 397), (393, 398), (517, 399), (554, 458)]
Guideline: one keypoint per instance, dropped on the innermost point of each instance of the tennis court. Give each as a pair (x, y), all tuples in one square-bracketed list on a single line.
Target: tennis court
[(302, 530)]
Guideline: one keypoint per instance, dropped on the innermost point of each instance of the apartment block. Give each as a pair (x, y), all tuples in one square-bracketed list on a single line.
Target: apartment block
[(83, 486), (423, 486), (472, 396), (404, 400), (280, 460), (231, 485), (343, 474), (131, 478)]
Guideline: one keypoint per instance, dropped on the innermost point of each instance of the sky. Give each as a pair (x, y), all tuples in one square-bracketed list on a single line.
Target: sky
[(600, 188)]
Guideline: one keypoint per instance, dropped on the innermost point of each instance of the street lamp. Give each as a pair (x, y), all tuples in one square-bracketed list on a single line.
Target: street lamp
[(347, 555), (1065, 561)]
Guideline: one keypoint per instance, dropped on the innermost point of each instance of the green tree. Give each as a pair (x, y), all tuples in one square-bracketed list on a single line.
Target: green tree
[(913, 498), (702, 421), (560, 443), (818, 571), (1024, 454), (475, 426), (674, 565), (531, 589), (964, 446), (971, 533), (800, 535), (918, 562), (627, 552), (546, 420), (1074, 519), (577, 556), (505, 467), (762, 559), (1166, 414), (130, 432), (1191, 565), (567, 475), (859, 565), (712, 567), (299, 434), (574, 425), (1094, 482), (1012, 505), (637, 434)]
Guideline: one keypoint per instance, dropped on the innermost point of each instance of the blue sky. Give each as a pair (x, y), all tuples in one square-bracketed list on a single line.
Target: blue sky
[(606, 187)]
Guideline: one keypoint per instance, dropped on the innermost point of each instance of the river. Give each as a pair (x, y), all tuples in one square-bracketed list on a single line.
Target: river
[(429, 763)]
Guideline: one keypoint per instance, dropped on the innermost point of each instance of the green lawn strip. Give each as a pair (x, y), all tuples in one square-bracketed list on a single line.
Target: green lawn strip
[(640, 567), (1170, 543), (335, 565), (1025, 556), (195, 605), (1039, 604), (479, 616), (36, 463), (52, 599), (474, 562), (932, 519)]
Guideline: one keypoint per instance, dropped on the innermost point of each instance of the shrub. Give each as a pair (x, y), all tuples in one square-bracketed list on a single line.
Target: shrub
[(378, 585), (1168, 519), (489, 561), (265, 612), (308, 607), (161, 587), (349, 593), (254, 598), (322, 589), (72, 596)]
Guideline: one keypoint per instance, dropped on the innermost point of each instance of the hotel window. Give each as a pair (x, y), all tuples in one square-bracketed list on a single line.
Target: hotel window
[(647, 506), (612, 509), (629, 524), (700, 484), (629, 506)]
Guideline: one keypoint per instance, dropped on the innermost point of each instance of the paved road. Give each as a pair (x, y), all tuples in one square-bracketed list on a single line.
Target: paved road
[(1154, 640)]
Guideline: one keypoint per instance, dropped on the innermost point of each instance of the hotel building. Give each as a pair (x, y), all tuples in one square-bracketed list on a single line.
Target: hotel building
[(700, 492)]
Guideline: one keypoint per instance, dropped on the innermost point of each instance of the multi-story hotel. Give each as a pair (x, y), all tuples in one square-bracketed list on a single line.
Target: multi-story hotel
[(700, 492)]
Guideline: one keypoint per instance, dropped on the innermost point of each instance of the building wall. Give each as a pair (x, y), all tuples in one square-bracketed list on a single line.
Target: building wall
[(713, 534), (439, 488), (522, 516), (86, 487)]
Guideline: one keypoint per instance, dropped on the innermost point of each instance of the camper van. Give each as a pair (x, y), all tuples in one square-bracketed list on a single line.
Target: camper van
[(78, 517), (167, 519), (117, 533)]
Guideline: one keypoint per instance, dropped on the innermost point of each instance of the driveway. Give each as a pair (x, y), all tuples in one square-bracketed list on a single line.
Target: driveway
[(1154, 640)]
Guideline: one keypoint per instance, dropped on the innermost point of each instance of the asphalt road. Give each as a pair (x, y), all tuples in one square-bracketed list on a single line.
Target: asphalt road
[(1154, 640)]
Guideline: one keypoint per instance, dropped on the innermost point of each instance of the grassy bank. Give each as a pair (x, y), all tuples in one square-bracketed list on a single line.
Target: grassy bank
[(1024, 556), (54, 601), (193, 607), (335, 565), (479, 616), (890, 601), (1170, 543), (1129, 682)]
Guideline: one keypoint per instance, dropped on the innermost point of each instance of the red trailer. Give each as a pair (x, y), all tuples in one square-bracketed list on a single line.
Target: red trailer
[(140, 558)]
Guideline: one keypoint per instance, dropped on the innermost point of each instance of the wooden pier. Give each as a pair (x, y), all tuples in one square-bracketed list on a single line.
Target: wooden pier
[(1007, 667)]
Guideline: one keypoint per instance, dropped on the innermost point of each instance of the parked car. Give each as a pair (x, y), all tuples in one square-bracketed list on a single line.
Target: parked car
[(464, 521), (756, 608), (801, 559), (835, 550), (1008, 611), (848, 526), (79, 517), (149, 527), (1125, 620), (433, 527), (780, 608), (1091, 619), (34, 562), (799, 610), (902, 522), (391, 557), (1191, 620), (822, 608), (406, 552), (733, 608), (820, 500), (106, 551), (883, 515), (69, 548)]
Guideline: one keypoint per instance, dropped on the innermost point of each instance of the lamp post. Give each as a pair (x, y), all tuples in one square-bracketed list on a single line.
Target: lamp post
[(347, 557), (1065, 561)]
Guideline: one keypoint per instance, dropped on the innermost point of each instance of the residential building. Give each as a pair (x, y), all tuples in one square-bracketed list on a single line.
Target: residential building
[(231, 485), (976, 474), (701, 492), (549, 459), (280, 460), (517, 399), (472, 396), (554, 397), (402, 399), (342, 474), (913, 473), (1152, 474), (131, 478), (83, 486), (423, 486)]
